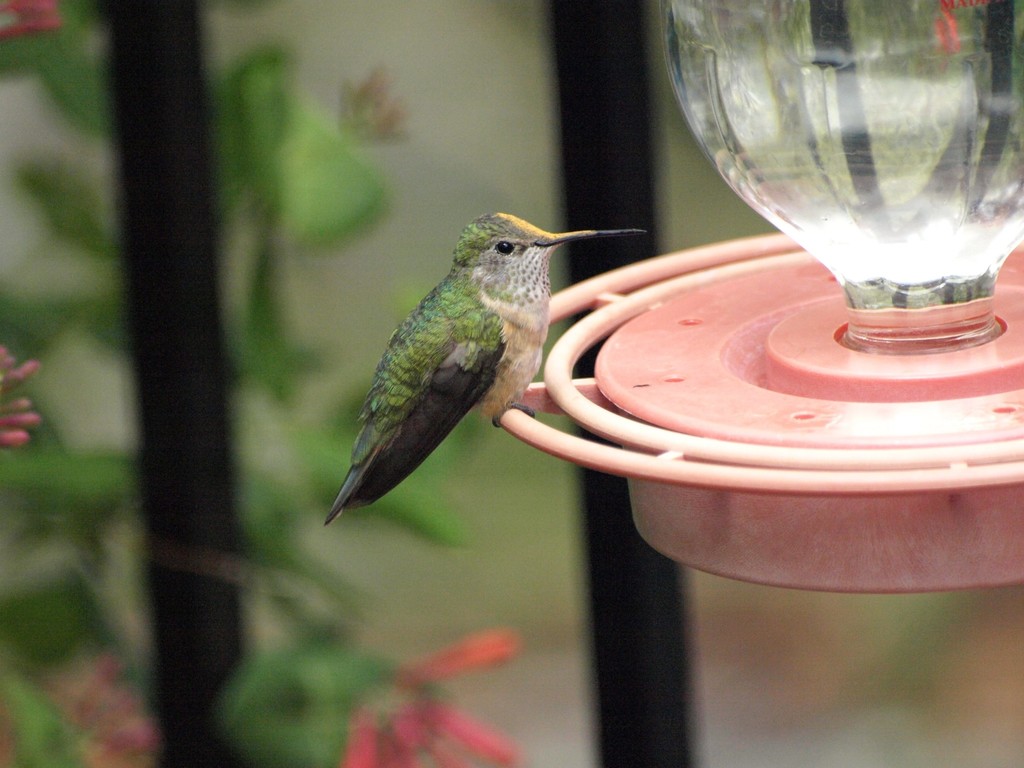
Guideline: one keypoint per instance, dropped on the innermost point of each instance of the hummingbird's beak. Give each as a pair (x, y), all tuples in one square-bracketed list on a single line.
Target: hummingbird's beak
[(583, 234)]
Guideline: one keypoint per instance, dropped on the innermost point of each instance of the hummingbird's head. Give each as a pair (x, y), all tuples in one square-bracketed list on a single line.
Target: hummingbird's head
[(509, 257)]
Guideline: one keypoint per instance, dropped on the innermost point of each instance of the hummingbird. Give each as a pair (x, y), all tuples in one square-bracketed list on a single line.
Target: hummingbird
[(474, 341)]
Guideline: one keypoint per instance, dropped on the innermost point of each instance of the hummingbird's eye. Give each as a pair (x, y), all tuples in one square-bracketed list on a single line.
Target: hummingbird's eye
[(504, 247)]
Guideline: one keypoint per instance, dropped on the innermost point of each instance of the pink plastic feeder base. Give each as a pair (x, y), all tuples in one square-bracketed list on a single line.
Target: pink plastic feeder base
[(903, 543), (758, 447)]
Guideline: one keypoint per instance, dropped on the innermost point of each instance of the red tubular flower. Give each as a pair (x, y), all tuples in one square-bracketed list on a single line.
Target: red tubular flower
[(482, 649), (477, 738), (24, 17), (422, 731), (947, 35), (408, 727), (394, 754), (444, 757), (361, 751)]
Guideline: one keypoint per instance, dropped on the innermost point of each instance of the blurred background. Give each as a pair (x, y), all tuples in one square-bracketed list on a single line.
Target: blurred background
[(433, 113)]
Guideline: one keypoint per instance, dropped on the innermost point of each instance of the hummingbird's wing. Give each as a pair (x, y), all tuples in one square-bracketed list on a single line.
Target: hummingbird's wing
[(408, 413)]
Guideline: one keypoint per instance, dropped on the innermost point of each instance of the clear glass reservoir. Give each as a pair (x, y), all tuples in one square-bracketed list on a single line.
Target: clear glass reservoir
[(885, 136)]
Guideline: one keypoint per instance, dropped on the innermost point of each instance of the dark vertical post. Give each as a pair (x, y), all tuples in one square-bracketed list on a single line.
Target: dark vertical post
[(169, 238), (636, 596)]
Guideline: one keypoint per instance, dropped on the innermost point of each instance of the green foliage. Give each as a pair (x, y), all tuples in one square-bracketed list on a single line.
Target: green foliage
[(70, 205), (69, 485), (292, 178), (42, 738), (286, 169), (295, 166), (315, 157), (287, 708), (268, 358), (35, 323), (252, 118), (45, 624), (414, 508), (67, 64), (68, 200)]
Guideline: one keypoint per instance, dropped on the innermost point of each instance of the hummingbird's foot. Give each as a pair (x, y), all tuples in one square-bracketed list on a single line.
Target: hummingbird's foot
[(496, 421)]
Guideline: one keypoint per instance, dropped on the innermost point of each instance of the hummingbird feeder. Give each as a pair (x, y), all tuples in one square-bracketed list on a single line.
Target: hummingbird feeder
[(840, 407)]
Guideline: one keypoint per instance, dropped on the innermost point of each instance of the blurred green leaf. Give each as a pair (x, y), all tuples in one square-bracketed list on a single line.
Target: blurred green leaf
[(68, 64), (329, 189), (288, 708), (301, 168), (70, 204), (79, 488), (268, 357), (41, 737), (417, 507), (323, 455), (31, 324), (268, 520), (253, 115), (46, 623)]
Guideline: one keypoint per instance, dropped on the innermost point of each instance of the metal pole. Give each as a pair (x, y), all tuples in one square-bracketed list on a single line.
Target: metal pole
[(169, 238), (639, 648)]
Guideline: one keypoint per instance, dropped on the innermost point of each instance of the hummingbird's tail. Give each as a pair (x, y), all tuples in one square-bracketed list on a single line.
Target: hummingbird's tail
[(347, 498), (452, 392)]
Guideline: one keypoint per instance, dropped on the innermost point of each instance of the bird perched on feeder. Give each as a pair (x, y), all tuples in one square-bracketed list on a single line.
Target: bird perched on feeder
[(475, 340)]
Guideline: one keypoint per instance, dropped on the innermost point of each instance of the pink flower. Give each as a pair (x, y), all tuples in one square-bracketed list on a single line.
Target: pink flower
[(423, 731), (109, 718), (16, 416), (24, 17)]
